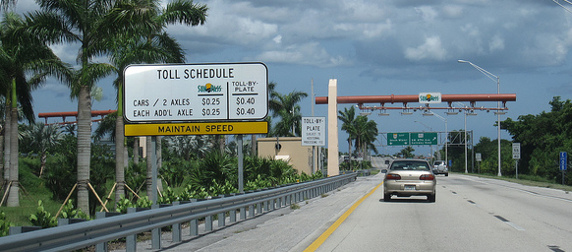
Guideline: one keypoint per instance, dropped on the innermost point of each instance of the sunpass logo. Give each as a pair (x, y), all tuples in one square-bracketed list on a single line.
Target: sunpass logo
[(209, 88)]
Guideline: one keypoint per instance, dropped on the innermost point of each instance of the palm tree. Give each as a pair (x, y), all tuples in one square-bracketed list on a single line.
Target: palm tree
[(91, 24), (22, 53), (365, 133), (348, 118), (153, 45), (43, 137), (286, 107)]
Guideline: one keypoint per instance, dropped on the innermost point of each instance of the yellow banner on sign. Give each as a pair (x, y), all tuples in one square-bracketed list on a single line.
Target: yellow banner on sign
[(207, 128)]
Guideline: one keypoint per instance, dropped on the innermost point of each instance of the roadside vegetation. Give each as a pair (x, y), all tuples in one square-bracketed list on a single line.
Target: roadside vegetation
[(542, 137)]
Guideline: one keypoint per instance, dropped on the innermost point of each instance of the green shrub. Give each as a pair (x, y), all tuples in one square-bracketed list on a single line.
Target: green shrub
[(70, 212), (42, 217), (4, 225)]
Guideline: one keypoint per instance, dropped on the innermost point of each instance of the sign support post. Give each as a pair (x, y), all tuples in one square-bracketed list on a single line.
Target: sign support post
[(240, 165), (563, 164)]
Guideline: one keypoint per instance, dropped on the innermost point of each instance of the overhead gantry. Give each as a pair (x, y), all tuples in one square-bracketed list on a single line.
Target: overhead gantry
[(64, 115), (385, 102), (406, 100)]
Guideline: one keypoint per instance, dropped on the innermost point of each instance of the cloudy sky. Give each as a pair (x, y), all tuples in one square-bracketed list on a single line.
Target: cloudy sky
[(377, 47)]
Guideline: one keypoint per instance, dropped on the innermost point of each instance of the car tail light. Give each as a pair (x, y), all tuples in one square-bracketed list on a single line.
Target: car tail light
[(427, 177), (393, 176)]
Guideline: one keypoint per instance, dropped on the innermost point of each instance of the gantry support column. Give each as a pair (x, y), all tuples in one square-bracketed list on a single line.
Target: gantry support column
[(333, 160)]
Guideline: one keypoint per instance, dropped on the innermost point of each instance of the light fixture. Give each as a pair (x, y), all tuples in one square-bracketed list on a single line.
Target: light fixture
[(500, 112), (471, 113), (451, 113), (427, 113), (406, 113), (365, 113)]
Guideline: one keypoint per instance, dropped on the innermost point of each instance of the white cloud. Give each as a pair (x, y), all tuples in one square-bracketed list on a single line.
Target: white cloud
[(427, 13), (453, 11), (307, 54), (431, 49), (496, 43)]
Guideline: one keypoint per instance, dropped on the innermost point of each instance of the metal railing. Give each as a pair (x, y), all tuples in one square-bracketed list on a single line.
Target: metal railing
[(104, 229)]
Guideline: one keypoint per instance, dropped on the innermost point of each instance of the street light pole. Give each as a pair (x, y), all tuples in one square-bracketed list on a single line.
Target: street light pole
[(497, 79)]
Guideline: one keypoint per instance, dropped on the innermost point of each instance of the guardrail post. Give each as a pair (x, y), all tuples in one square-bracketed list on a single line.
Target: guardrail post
[(232, 215), (209, 223), (251, 211), (101, 247), (155, 234), (243, 213), (22, 229), (194, 224), (259, 208), (176, 228), (131, 240), (221, 216)]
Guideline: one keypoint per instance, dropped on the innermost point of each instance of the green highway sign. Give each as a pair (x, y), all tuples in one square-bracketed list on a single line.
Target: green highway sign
[(415, 138), (397, 138), (424, 138)]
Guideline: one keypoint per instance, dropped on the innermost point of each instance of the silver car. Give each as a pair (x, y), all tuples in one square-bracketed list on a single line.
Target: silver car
[(440, 167), (409, 177)]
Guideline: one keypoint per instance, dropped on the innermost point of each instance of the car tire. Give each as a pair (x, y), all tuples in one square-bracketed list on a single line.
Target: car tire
[(447, 174), (431, 197), (386, 197)]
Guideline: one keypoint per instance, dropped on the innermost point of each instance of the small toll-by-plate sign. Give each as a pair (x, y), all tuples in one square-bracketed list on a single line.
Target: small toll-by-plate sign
[(313, 131)]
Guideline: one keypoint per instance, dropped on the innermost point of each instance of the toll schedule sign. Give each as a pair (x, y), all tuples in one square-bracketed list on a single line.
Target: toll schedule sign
[(195, 92)]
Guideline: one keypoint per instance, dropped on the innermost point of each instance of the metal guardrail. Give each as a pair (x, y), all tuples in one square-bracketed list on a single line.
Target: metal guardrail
[(104, 229)]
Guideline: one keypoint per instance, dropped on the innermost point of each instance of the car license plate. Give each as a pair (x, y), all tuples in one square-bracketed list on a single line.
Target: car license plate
[(409, 188)]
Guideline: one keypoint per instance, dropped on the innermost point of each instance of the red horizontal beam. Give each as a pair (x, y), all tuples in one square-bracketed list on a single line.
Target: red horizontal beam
[(74, 113), (415, 98)]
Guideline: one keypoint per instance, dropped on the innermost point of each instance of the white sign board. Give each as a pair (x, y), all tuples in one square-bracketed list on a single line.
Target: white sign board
[(429, 97), (515, 150), (314, 131), (478, 157), (195, 92)]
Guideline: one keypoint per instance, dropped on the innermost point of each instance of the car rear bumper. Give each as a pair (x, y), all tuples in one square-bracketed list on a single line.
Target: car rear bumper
[(408, 189)]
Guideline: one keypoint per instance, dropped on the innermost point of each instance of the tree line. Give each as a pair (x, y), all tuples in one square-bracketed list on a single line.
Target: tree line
[(542, 137)]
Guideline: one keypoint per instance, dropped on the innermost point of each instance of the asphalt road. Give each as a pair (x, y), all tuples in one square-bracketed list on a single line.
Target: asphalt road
[(470, 214)]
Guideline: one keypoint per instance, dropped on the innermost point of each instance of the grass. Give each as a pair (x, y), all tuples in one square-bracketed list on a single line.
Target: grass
[(528, 182), (18, 216)]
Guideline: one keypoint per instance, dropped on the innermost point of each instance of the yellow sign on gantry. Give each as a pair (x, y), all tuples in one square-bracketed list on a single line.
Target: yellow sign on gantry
[(203, 128)]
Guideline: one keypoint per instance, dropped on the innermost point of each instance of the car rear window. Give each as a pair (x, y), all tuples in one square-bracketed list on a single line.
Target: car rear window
[(409, 165)]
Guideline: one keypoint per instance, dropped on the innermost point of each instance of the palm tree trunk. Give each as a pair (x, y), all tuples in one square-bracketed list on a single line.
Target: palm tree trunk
[(83, 147), (350, 152), (6, 148), (119, 158), (1, 161), (42, 162), (13, 199)]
